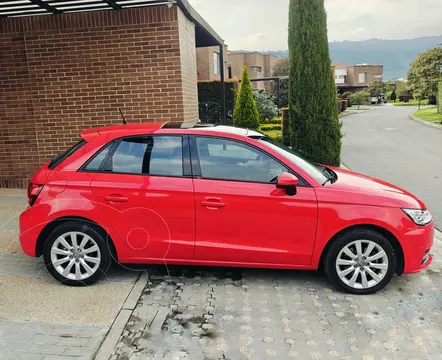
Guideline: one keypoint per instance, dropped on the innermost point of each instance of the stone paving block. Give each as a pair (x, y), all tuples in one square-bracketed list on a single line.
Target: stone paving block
[(50, 349)]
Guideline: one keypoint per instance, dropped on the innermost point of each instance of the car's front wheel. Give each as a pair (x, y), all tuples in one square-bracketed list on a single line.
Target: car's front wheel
[(361, 261), (77, 254)]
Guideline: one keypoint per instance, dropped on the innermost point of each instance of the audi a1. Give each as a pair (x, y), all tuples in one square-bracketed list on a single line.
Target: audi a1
[(167, 193)]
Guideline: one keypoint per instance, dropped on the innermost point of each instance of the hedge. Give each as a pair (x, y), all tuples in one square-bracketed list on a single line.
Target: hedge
[(285, 126), (439, 98), (272, 121), (269, 128), (209, 101)]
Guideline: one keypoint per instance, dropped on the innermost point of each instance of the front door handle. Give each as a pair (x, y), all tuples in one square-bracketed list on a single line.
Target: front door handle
[(116, 198), (212, 202)]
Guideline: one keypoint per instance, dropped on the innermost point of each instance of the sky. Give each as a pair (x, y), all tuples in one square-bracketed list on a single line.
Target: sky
[(262, 24)]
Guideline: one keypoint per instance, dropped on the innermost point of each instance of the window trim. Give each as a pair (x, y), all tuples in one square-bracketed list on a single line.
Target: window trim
[(66, 154), (186, 167), (196, 166)]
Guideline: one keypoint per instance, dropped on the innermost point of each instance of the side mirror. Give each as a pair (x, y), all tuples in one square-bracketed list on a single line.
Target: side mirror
[(288, 182)]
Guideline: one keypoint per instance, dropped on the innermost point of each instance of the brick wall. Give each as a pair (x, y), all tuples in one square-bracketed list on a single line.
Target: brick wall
[(188, 67), (63, 73)]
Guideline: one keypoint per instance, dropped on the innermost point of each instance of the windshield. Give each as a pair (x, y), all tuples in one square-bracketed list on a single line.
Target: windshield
[(315, 171)]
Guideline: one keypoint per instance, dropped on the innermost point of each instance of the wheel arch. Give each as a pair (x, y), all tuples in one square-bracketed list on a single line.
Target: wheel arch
[(51, 226), (387, 234)]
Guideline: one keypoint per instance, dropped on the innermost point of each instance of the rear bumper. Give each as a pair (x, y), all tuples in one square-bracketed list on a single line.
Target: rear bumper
[(29, 231), (416, 244)]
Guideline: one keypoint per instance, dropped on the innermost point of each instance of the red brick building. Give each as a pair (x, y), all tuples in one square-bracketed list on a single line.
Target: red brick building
[(64, 72)]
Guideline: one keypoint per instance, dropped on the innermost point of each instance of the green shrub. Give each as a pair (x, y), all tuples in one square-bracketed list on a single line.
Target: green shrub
[(267, 108), (246, 113), (209, 101), (360, 97), (276, 120), (346, 95), (285, 126), (270, 128), (393, 95)]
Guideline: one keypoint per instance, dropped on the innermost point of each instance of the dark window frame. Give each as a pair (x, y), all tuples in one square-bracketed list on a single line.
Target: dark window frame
[(196, 166), (58, 159), (185, 148)]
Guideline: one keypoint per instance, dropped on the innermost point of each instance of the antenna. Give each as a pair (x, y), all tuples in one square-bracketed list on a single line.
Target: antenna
[(124, 120)]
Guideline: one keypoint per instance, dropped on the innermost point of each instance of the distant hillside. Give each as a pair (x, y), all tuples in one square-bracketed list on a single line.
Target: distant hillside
[(395, 55)]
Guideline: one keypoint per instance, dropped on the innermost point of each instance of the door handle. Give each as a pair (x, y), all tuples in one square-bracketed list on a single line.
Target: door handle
[(116, 198), (212, 202)]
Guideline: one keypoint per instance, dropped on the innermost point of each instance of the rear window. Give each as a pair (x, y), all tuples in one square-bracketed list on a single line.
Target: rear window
[(57, 159)]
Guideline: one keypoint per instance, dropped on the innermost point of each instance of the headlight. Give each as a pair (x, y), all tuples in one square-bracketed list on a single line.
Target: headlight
[(420, 217)]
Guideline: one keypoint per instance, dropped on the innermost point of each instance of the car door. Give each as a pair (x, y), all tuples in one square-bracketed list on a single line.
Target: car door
[(146, 194), (241, 217)]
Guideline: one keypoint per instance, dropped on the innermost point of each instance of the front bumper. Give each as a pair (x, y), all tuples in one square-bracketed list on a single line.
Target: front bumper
[(416, 244)]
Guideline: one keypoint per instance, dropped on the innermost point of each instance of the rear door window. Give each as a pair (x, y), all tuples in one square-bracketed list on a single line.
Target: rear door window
[(148, 155)]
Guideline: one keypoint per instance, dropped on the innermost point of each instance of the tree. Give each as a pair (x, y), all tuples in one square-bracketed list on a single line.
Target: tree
[(267, 108), (376, 88), (246, 113), (425, 72), (281, 68), (360, 97), (393, 95), (314, 122)]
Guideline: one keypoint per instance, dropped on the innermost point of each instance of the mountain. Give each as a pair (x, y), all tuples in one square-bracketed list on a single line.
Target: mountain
[(395, 55)]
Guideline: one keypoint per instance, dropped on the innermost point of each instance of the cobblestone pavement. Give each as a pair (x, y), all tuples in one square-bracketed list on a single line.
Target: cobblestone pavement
[(40, 318), (206, 313)]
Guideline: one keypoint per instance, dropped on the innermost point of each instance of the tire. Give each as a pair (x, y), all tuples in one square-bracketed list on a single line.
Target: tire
[(93, 258), (341, 268)]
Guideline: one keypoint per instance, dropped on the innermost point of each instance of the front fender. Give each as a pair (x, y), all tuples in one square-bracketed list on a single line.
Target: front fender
[(334, 218)]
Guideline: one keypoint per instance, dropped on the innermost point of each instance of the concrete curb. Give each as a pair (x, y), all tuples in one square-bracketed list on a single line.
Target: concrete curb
[(436, 126), (107, 347)]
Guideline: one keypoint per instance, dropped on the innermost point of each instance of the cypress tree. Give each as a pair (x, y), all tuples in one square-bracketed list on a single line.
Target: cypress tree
[(246, 113), (314, 120)]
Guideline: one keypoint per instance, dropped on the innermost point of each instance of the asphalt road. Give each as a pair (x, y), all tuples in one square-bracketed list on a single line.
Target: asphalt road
[(387, 144)]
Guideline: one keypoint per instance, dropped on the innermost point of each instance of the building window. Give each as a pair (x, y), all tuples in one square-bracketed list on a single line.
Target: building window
[(362, 77), (378, 76), (256, 69), (229, 71), (216, 63)]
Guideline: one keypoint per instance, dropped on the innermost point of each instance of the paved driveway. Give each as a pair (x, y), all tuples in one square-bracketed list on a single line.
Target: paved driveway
[(40, 318), (386, 143)]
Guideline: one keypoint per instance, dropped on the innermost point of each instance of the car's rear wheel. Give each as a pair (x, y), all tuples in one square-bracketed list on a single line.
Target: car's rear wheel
[(361, 261), (77, 254)]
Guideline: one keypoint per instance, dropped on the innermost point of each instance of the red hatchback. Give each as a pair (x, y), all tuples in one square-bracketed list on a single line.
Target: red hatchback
[(217, 195)]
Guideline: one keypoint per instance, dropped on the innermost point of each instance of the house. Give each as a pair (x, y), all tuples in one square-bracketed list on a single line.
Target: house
[(72, 67), (259, 65), (356, 77)]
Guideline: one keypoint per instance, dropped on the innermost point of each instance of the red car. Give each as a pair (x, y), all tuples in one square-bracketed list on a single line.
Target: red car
[(217, 195)]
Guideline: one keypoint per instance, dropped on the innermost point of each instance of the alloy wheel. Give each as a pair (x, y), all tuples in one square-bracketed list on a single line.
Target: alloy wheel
[(362, 264), (75, 255)]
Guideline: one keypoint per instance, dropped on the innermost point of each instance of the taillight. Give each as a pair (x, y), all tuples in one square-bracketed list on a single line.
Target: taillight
[(33, 192)]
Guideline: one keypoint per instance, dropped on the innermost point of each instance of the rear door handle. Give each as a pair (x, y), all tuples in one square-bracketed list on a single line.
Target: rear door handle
[(212, 202), (116, 198)]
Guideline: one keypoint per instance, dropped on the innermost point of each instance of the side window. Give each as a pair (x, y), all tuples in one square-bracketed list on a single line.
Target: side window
[(95, 163), (231, 160), (150, 155)]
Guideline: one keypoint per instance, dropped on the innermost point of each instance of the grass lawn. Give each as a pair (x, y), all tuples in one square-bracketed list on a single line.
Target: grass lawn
[(429, 114), (355, 107), (412, 102)]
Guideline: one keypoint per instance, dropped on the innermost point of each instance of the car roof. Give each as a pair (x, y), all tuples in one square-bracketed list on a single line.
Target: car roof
[(153, 126)]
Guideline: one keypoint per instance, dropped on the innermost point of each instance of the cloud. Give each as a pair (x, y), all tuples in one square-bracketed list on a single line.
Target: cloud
[(262, 24)]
